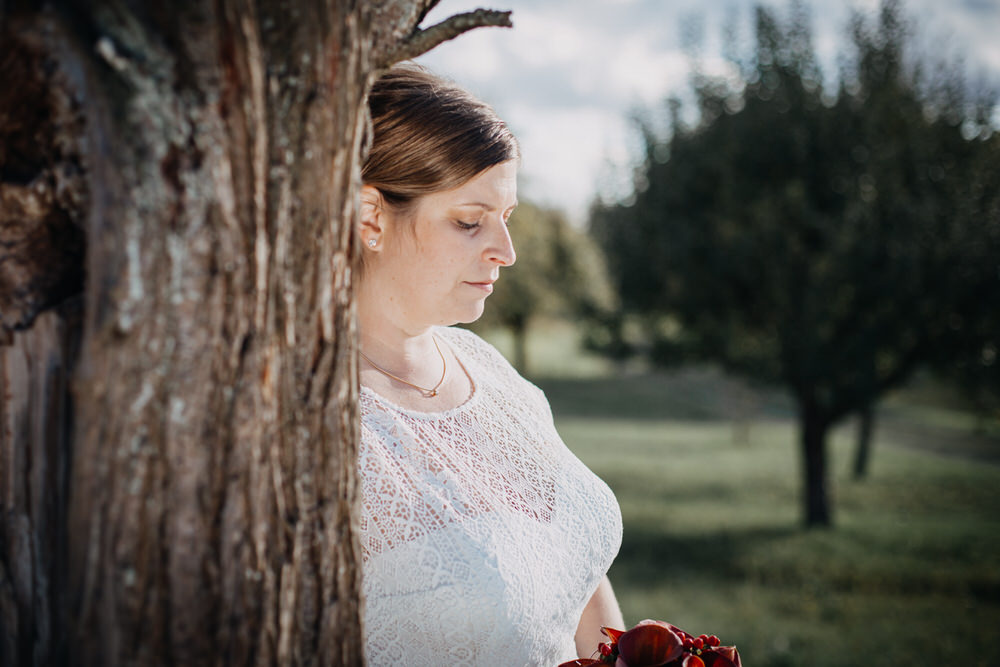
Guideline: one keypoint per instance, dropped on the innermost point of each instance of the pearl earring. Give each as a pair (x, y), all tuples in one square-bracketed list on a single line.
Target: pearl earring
[(371, 243)]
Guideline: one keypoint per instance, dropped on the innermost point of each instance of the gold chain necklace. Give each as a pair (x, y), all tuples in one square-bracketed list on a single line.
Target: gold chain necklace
[(429, 393)]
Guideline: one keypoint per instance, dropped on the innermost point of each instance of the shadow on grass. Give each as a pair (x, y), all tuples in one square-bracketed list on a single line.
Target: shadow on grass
[(655, 491), (652, 558), (695, 394)]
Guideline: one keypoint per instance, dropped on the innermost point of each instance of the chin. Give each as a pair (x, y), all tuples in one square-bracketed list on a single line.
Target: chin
[(471, 314)]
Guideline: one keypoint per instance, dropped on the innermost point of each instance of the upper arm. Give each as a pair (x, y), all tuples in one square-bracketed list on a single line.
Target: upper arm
[(602, 610)]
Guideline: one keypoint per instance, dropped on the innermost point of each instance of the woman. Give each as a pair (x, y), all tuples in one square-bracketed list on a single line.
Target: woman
[(485, 541)]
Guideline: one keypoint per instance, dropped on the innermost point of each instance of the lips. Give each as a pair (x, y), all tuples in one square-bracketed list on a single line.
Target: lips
[(486, 285)]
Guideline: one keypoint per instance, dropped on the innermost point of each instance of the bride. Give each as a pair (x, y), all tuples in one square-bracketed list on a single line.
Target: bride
[(485, 540)]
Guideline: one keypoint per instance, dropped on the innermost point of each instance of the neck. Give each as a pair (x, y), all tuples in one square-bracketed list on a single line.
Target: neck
[(392, 342)]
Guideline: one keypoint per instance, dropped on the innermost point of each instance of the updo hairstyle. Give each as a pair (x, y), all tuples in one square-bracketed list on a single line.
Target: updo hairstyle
[(429, 135)]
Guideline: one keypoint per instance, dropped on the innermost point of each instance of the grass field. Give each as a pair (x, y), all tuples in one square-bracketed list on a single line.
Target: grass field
[(706, 472)]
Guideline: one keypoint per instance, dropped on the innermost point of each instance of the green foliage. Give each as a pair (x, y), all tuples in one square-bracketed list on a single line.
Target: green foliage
[(558, 272), (831, 243)]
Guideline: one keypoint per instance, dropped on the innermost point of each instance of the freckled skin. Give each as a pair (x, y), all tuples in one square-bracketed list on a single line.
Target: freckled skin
[(426, 268)]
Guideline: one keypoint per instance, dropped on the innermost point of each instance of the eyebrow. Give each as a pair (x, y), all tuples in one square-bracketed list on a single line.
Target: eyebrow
[(483, 205)]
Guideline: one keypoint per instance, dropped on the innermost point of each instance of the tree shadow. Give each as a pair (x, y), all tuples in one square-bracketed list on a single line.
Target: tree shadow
[(652, 556), (689, 394)]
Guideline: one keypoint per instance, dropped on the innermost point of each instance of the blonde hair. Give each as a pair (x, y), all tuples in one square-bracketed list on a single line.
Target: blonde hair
[(429, 135)]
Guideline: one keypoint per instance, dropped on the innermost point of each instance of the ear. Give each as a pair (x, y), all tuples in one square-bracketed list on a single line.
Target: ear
[(371, 221)]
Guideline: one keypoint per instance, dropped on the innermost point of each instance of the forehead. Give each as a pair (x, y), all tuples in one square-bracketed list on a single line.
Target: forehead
[(493, 188)]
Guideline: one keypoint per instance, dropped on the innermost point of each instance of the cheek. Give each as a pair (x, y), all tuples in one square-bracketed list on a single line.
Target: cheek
[(445, 261), (423, 266), (420, 275)]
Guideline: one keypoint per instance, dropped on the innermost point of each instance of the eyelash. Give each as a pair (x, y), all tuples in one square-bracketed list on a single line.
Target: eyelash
[(469, 226)]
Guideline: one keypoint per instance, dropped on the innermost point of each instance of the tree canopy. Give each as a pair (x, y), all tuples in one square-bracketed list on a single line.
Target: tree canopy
[(828, 240)]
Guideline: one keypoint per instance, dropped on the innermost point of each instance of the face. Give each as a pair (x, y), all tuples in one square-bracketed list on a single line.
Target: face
[(438, 265)]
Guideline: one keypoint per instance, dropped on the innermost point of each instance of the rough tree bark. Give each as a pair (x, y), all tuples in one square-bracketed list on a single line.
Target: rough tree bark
[(177, 330)]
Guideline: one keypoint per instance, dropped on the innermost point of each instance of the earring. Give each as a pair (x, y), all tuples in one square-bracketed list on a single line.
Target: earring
[(371, 243)]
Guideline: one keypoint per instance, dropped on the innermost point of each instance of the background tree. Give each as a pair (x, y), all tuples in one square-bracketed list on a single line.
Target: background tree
[(830, 243), (558, 272), (975, 368), (178, 415), (976, 372)]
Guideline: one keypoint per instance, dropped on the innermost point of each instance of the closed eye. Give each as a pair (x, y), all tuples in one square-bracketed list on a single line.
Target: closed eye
[(467, 225)]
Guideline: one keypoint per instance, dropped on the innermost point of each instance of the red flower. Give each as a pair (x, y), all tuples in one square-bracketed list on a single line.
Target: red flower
[(649, 644), (659, 644)]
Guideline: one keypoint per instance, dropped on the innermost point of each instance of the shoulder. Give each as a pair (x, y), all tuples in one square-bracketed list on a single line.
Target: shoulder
[(490, 365), (461, 336), (471, 344)]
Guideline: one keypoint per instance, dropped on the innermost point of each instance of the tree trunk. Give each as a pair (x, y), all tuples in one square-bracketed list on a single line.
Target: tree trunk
[(862, 455), (813, 429), (35, 433), (178, 442)]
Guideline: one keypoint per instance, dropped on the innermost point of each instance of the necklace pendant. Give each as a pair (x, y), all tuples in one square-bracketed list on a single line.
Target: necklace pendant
[(430, 393)]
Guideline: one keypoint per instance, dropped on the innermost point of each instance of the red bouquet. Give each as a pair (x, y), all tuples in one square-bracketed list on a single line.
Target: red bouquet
[(659, 644)]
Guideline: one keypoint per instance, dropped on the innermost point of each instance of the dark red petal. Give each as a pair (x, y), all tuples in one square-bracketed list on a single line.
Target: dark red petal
[(680, 633), (730, 653), (691, 660), (612, 634), (722, 656), (649, 645)]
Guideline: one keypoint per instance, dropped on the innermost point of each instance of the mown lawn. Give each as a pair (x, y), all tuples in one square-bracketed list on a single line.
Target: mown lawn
[(910, 574)]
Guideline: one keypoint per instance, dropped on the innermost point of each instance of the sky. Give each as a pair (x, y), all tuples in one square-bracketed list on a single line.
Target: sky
[(571, 73)]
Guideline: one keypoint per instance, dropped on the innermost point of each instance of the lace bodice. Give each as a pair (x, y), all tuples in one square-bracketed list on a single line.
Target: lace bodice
[(483, 536)]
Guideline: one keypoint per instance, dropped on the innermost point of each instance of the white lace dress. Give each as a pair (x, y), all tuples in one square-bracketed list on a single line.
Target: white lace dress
[(483, 535)]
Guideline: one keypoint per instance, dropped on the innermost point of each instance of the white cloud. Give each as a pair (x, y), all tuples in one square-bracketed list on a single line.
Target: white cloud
[(638, 70), (565, 149), (540, 41)]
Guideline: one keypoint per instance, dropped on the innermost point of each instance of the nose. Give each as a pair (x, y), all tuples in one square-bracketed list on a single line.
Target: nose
[(501, 248)]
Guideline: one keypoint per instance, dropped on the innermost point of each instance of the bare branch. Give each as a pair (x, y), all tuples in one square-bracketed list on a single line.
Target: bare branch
[(422, 41), (431, 4)]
